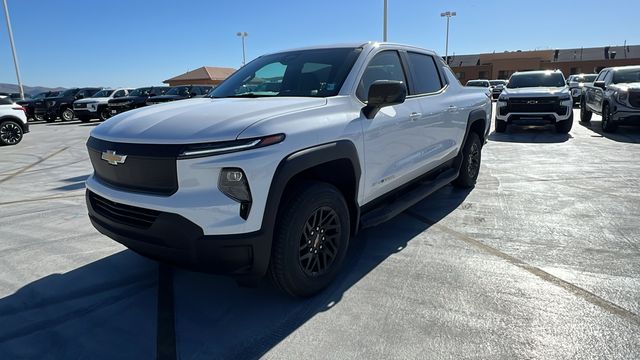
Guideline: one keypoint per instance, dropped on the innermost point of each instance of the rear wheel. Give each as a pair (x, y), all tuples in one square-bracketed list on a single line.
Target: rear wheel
[(501, 126), (38, 117), (471, 157), (564, 126), (10, 133), (585, 115), (607, 124), (311, 239), (67, 114)]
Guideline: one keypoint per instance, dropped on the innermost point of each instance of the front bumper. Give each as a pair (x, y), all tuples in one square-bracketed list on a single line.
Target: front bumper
[(535, 117), (625, 115), (117, 109), (174, 239), (84, 112)]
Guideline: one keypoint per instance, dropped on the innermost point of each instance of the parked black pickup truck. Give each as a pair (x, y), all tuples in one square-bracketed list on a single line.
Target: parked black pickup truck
[(615, 95), (28, 104), (137, 98), (180, 93), (61, 106)]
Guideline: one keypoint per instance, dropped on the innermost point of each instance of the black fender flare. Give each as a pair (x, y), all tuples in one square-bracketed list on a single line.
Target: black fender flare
[(474, 116), (292, 165)]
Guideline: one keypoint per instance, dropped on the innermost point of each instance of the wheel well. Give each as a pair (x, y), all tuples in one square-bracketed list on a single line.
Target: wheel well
[(478, 126), (339, 173), (14, 119)]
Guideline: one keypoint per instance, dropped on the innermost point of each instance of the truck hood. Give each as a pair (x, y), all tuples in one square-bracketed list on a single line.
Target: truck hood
[(93, 100), (626, 86), (536, 91), (197, 120)]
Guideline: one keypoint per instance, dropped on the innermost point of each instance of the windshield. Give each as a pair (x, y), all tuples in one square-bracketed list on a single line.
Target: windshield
[(478, 83), (178, 90), (70, 92), (103, 93), (140, 92), (626, 75), (497, 82), (536, 79), (307, 73), (583, 78)]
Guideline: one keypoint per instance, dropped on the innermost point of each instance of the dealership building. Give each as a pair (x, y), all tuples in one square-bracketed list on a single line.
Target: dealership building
[(569, 61), (206, 75)]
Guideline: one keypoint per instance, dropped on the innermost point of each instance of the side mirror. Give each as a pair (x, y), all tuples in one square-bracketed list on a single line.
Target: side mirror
[(600, 84), (384, 93)]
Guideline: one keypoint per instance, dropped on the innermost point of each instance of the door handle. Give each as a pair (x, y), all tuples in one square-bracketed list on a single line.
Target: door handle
[(452, 108), (415, 116)]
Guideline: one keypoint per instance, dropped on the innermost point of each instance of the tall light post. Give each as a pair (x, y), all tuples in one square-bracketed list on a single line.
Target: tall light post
[(384, 23), (13, 47), (448, 15), (243, 34)]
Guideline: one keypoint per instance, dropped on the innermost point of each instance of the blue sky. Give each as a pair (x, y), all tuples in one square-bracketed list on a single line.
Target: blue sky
[(135, 42)]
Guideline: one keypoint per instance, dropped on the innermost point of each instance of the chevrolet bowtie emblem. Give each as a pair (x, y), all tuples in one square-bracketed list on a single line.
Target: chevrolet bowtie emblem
[(531, 102), (112, 158)]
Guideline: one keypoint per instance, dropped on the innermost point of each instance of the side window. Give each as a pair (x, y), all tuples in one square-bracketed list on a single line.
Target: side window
[(609, 77), (385, 65), (601, 75), (426, 75)]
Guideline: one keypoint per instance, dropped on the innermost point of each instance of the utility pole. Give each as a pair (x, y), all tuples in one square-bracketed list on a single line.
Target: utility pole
[(448, 15), (13, 47), (243, 34), (384, 25)]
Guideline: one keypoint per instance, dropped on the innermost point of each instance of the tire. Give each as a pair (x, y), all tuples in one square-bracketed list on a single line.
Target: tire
[(564, 126), (501, 126), (607, 124), (10, 133), (303, 262), (585, 115), (471, 158), (104, 114), (38, 117), (67, 114)]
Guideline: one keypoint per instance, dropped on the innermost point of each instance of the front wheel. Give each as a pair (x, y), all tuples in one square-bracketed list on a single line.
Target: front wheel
[(471, 157), (10, 133), (311, 239), (38, 117), (607, 124), (564, 126), (67, 114), (104, 114), (585, 115)]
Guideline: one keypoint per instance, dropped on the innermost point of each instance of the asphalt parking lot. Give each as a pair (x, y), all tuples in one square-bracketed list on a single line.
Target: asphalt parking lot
[(540, 260)]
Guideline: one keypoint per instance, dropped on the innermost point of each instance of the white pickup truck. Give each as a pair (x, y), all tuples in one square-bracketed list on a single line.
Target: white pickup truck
[(97, 106), (256, 180)]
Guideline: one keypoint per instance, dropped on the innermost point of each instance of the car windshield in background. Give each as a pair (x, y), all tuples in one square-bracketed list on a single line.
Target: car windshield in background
[(103, 93), (478, 83), (69, 92), (586, 78), (497, 82), (140, 92), (536, 79), (307, 73), (626, 76), (180, 90)]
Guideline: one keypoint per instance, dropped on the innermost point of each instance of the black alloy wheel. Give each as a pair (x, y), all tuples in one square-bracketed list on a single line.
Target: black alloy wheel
[(319, 242), (10, 133)]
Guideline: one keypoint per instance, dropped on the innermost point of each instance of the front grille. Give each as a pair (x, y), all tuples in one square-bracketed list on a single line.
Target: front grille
[(634, 98), (533, 105), (123, 214), (147, 168)]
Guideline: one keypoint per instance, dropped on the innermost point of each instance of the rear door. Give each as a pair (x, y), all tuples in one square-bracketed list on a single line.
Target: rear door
[(391, 142), (440, 126)]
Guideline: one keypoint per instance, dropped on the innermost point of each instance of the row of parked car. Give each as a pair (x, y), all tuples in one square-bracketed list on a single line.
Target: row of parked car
[(101, 103), (546, 97)]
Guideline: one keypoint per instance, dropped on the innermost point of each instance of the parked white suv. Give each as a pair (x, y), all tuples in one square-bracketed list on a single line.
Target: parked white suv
[(276, 179), (97, 106), (13, 122), (535, 98)]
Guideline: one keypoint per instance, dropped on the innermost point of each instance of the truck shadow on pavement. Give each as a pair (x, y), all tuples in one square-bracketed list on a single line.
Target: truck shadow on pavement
[(529, 134), (115, 307), (626, 134)]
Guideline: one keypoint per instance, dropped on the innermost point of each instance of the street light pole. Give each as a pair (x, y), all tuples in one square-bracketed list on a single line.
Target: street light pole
[(243, 34), (384, 23), (448, 15), (13, 47)]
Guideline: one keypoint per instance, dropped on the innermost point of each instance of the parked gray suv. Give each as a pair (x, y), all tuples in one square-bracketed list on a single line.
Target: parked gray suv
[(615, 95)]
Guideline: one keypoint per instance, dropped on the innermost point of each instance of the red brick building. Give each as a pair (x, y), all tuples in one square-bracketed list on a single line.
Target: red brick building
[(569, 61)]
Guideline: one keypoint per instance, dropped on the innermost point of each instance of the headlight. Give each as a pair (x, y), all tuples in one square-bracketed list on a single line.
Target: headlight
[(622, 96), (565, 97), (225, 147)]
